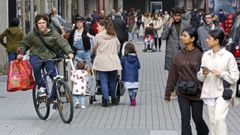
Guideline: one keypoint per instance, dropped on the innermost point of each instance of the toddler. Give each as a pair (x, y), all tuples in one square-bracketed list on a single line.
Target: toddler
[(79, 79), (130, 66)]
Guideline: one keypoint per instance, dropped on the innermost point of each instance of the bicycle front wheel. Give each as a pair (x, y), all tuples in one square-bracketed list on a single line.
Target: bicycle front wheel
[(41, 105), (64, 101)]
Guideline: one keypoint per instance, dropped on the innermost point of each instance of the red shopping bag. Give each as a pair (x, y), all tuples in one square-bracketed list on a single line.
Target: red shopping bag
[(20, 76)]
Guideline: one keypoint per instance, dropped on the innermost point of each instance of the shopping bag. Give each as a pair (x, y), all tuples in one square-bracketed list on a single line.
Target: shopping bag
[(19, 77)]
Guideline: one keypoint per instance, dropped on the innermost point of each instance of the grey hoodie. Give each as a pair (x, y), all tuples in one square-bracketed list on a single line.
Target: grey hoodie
[(203, 34)]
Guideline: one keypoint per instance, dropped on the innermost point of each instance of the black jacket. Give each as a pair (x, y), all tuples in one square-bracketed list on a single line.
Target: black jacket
[(120, 28), (85, 38)]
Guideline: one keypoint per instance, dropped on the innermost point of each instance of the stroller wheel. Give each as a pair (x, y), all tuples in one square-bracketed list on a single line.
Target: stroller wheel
[(118, 92), (91, 99), (117, 100)]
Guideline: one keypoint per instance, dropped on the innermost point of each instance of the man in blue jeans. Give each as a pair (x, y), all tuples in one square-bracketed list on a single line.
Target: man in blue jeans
[(39, 51)]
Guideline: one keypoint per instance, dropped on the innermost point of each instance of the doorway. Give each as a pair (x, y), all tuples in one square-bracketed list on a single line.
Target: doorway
[(155, 6)]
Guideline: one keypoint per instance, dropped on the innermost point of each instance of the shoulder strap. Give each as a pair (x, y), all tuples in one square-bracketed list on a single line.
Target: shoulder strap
[(46, 44), (226, 84)]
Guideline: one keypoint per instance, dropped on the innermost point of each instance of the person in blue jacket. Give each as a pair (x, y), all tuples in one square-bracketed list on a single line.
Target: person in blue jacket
[(130, 66)]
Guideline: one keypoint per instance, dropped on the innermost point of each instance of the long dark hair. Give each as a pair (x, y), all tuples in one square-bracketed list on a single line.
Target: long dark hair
[(108, 26), (193, 33), (218, 34), (129, 48)]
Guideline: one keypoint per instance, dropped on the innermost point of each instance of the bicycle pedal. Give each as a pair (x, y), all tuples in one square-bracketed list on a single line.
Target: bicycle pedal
[(54, 105)]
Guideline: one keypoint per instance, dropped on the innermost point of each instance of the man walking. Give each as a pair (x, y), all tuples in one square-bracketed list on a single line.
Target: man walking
[(171, 33), (203, 30)]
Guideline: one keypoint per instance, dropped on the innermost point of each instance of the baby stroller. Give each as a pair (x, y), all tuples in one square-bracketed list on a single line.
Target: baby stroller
[(95, 89), (148, 43), (149, 39)]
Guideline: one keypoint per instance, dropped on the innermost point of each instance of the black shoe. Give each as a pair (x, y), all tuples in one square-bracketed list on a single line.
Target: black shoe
[(105, 103), (93, 98), (113, 102)]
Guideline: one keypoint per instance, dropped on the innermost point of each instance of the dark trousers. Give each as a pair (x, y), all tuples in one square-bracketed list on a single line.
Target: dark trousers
[(12, 56), (158, 41), (37, 66), (187, 107)]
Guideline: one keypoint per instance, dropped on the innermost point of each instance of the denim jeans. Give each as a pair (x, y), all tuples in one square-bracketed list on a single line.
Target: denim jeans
[(132, 93), (37, 66), (130, 36), (186, 105), (79, 98), (85, 55), (108, 83), (12, 56)]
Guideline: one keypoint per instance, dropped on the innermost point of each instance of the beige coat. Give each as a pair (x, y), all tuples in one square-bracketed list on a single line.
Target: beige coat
[(106, 58), (158, 25), (224, 62)]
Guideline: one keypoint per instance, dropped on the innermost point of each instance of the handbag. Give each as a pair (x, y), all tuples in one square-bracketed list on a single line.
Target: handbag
[(227, 92), (19, 76), (188, 88), (122, 88)]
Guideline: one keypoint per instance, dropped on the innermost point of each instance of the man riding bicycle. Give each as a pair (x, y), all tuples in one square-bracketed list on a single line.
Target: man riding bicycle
[(43, 51)]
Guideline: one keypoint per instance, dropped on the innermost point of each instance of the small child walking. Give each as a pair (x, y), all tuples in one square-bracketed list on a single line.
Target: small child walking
[(130, 66), (79, 79)]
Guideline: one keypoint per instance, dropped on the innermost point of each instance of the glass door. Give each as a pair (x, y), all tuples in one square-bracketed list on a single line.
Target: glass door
[(155, 6)]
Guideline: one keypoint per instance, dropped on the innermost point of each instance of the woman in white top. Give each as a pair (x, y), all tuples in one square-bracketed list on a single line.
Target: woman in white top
[(158, 27), (217, 65)]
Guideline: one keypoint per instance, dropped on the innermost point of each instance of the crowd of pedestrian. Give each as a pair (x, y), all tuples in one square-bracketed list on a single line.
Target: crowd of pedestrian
[(195, 56)]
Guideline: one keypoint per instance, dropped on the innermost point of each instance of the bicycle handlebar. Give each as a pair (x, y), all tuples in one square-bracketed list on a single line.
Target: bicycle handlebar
[(53, 59), (60, 59)]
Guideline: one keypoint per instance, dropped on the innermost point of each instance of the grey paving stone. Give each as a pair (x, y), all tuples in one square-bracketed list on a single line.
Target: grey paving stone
[(151, 115), (163, 132)]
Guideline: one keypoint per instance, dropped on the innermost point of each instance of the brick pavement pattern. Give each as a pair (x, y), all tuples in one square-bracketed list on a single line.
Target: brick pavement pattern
[(151, 116)]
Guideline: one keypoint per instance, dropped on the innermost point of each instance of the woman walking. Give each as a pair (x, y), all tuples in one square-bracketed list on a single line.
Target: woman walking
[(183, 71), (106, 61), (217, 65)]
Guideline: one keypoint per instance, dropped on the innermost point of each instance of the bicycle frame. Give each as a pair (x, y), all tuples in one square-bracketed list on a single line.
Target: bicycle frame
[(58, 76), (51, 93), (58, 91)]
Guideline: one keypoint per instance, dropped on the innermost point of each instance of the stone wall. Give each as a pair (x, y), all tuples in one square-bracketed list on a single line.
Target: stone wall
[(3, 26)]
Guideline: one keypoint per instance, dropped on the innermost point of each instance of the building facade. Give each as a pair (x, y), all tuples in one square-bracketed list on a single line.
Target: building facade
[(27, 9)]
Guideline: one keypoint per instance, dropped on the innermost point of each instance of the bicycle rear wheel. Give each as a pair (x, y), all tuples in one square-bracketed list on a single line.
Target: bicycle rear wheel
[(41, 105), (64, 101)]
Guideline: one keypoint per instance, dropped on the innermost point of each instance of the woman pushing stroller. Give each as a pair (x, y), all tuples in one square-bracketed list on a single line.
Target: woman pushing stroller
[(106, 61)]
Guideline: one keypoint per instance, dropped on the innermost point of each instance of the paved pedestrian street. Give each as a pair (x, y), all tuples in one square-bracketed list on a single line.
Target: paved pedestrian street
[(151, 116)]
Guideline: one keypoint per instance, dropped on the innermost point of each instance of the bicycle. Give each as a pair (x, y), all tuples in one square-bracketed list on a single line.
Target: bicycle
[(60, 95)]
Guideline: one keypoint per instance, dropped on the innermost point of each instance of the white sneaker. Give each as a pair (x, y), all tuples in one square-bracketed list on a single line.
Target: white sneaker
[(87, 93), (77, 104), (42, 92), (83, 106)]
